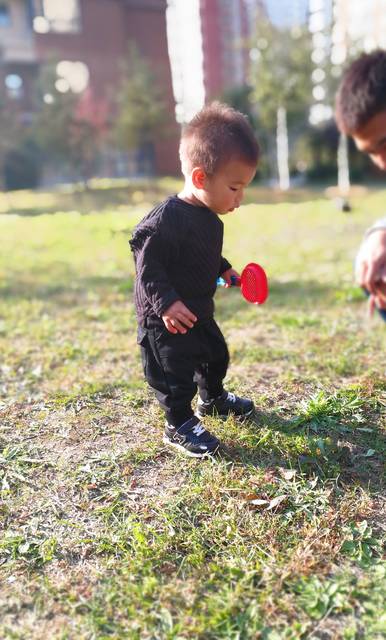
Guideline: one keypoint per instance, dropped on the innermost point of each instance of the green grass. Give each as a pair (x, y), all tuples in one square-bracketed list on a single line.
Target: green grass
[(108, 534)]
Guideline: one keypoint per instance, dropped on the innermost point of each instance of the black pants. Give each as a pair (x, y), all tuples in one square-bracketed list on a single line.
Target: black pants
[(176, 364)]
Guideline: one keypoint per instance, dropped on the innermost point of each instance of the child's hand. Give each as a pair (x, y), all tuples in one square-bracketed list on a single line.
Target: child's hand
[(177, 317), (227, 275)]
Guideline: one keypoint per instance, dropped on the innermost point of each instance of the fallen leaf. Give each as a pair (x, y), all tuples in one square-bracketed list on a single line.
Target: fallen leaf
[(258, 503), (275, 502), (287, 474)]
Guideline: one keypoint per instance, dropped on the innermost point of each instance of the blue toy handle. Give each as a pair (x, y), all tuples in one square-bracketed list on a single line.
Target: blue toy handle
[(222, 282)]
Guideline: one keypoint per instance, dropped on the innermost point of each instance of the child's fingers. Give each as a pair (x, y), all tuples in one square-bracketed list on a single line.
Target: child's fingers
[(178, 324), (188, 316), (169, 326), (178, 318), (185, 318)]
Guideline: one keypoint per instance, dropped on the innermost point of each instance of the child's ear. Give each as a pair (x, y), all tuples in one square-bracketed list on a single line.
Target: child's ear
[(198, 178)]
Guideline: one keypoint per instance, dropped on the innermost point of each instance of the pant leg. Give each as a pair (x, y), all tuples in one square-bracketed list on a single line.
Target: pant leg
[(169, 362), (210, 374)]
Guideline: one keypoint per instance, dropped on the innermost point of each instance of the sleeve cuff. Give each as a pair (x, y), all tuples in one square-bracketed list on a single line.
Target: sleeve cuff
[(165, 302), (224, 266)]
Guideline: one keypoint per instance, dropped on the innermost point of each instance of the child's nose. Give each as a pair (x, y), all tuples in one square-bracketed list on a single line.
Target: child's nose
[(239, 200)]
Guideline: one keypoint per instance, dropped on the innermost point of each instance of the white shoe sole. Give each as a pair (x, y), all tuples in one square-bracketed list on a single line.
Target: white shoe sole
[(191, 454)]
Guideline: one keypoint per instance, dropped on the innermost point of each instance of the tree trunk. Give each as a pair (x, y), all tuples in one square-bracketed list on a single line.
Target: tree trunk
[(343, 166), (282, 149)]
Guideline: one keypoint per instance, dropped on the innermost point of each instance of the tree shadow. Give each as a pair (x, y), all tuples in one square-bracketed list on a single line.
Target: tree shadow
[(91, 198), (72, 288), (260, 194), (86, 200), (333, 449), (294, 295)]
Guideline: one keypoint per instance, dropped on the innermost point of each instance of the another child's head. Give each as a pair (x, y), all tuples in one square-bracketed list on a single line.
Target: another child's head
[(219, 154), (361, 105)]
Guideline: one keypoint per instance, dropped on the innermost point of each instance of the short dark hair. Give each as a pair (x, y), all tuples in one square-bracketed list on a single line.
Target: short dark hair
[(362, 91), (218, 133)]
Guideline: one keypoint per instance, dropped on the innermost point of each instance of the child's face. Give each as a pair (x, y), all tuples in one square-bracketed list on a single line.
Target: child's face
[(224, 191)]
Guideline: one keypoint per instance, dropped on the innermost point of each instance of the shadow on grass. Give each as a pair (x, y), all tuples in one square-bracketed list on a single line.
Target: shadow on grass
[(60, 294), (334, 449), (293, 295), (86, 200), (228, 302), (259, 194)]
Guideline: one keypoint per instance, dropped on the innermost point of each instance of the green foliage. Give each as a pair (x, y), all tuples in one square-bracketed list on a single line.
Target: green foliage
[(141, 108), (11, 131), (70, 127), (321, 408), (241, 98), (288, 53), (361, 544), (16, 463), (33, 551)]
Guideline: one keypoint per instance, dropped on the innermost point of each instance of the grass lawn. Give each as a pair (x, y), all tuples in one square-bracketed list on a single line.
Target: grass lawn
[(108, 534)]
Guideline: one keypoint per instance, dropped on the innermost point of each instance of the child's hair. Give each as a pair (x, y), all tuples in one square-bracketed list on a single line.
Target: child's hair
[(218, 133), (362, 91)]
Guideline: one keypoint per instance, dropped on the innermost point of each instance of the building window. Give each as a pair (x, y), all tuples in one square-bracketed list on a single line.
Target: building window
[(5, 16), (57, 16), (14, 86)]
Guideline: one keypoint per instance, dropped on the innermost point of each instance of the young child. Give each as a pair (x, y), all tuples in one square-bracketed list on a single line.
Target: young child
[(178, 256)]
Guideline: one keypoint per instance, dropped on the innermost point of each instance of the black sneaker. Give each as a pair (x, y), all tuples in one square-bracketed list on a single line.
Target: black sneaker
[(225, 405), (191, 438)]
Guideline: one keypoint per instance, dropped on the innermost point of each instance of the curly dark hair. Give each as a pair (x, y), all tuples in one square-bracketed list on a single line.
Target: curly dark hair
[(218, 133), (362, 91)]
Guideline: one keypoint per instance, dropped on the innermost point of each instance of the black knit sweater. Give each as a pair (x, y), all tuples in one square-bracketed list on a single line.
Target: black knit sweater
[(177, 252)]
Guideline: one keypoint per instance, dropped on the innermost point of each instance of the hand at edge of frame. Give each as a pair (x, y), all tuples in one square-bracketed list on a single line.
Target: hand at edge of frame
[(377, 300), (371, 261)]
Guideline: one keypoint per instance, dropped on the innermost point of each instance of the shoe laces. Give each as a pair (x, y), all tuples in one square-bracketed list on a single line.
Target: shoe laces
[(231, 397), (198, 429)]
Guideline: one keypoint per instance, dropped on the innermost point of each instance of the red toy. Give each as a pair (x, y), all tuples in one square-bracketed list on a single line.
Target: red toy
[(253, 283)]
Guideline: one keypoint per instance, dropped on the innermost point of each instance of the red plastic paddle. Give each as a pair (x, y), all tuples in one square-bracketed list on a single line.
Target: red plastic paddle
[(253, 283)]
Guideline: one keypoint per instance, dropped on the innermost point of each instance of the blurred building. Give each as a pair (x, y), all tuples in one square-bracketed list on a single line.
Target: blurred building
[(209, 49), (186, 57), (88, 38), (225, 28)]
